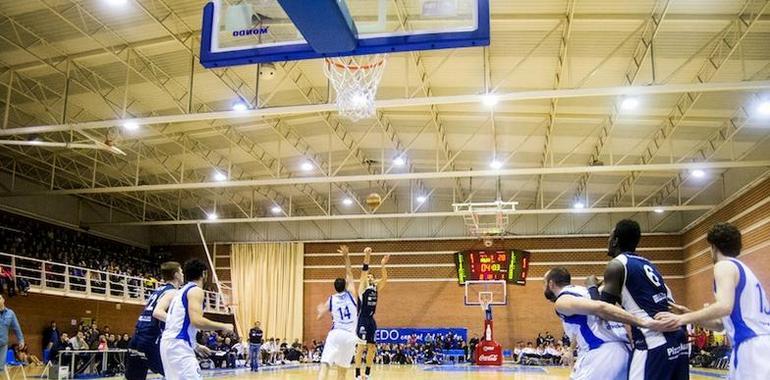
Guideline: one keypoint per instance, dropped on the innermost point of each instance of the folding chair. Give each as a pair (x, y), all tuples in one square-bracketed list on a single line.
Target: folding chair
[(10, 361)]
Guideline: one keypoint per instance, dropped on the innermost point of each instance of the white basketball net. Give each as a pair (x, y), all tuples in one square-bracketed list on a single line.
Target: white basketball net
[(355, 80)]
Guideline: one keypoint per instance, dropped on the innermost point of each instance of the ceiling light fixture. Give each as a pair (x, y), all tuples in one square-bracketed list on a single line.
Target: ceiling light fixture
[(131, 125), (697, 173), (347, 202), (763, 109), (219, 176), (399, 161), (489, 100), (240, 107), (212, 216), (421, 199), (307, 166), (276, 210), (629, 103)]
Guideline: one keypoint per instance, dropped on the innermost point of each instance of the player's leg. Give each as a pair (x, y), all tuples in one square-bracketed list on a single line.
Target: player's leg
[(330, 352), (359, 355), (166, 358), (154, 360), (371, 351)]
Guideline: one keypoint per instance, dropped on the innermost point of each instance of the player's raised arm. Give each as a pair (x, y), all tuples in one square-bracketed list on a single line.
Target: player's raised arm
[(161, 308), (726, 277), (384, 276), (364, 270), (195, 311), (348, 270)]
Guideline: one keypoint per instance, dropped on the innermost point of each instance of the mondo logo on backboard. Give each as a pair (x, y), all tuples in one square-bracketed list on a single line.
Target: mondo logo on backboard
[(251, 32)]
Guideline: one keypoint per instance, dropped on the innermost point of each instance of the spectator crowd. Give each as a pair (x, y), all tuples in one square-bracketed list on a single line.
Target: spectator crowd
[(87, 337), (59, 245)]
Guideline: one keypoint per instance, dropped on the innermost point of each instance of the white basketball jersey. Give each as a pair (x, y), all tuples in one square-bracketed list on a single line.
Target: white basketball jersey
[(344, 312), (590, 330), (751, 311), (178, 324)]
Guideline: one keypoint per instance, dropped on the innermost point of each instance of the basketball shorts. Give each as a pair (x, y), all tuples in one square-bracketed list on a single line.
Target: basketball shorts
[(339, 348), (366, 329), (670, 361), (143, 354), (750, 361), (606, 362), (179, 361)]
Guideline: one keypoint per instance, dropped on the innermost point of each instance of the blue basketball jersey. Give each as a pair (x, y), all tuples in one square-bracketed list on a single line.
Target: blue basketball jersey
[(590, 330), (147, 326), (751, 311), (644, 295)]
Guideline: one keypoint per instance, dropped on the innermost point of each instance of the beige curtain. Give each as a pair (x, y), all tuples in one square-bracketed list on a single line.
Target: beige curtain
[(267, 287)]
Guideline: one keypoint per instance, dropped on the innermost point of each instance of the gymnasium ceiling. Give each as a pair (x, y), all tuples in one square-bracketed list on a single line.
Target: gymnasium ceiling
[(67, 62)]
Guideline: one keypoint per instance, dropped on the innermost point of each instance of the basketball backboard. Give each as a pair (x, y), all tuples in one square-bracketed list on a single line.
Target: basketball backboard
[(237, 32), (492, 292)]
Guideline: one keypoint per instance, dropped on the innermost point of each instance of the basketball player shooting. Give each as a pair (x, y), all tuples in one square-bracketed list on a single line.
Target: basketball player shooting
[(602, 345), (369, 289), (183, 320), (340, 345)]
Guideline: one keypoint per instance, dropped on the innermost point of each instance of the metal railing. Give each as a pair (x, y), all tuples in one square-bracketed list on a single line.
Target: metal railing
[(47, 277)]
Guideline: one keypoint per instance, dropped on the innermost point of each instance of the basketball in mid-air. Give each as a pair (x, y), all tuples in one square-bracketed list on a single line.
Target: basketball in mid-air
[(373, 200)]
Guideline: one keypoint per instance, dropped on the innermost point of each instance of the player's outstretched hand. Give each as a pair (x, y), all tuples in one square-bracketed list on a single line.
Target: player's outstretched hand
[(343, 249), (592, 280), (368, 250), (678, 309), (385, 260), (669, 320)]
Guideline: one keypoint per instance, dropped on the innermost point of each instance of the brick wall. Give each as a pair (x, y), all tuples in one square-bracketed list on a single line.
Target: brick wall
[(751, 213)]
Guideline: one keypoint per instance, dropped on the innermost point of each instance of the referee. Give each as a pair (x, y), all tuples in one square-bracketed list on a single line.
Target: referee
[(255, 343)]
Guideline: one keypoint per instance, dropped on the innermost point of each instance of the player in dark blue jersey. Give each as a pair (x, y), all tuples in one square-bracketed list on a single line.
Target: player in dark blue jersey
[(636, 283), (144, 349), (367, 326)]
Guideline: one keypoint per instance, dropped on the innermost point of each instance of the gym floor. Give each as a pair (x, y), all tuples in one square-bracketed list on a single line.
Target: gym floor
[(447, 372)]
